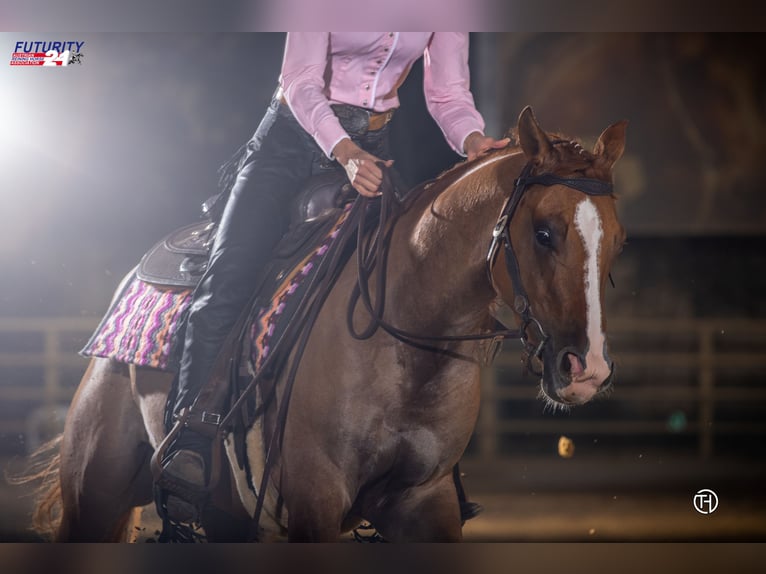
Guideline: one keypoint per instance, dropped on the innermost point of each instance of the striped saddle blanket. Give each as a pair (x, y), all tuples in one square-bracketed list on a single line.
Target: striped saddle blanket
[(145, 323)]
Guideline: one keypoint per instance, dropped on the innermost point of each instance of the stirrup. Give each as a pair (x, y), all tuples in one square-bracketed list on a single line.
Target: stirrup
[(206, 424), (174, 492), (183, 500), (158, 458)]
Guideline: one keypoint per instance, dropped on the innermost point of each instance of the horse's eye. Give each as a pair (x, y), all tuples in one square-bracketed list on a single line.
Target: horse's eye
[(543, 237)]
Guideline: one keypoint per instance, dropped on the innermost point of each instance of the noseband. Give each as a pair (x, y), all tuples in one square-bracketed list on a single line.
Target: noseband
[(376, 252), (501, 234)]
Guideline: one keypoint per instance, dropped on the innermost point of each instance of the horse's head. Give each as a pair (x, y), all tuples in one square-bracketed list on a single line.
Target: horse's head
[(561, 241)]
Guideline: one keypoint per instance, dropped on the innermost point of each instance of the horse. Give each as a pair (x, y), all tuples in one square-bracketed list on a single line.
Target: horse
[(376, 425)]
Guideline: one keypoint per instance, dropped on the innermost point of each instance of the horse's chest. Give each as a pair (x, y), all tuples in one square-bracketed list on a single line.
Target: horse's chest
[(419, 454), (421, 430), (425, 447)]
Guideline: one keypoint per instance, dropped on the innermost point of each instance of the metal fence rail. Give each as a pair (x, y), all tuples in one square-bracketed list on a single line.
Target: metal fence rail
[(687, 362), (38, 381)]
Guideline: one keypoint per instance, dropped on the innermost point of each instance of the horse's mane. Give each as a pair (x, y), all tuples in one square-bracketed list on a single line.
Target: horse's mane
[(571, 156)]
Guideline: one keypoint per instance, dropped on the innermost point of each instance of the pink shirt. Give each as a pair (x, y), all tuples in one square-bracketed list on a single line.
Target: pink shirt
[(366, 69)]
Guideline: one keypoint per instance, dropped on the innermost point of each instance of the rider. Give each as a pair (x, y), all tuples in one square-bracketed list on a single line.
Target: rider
[(337, 93)]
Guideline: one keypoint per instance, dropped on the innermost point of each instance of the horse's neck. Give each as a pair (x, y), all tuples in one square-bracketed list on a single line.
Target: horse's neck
[(441, 283)]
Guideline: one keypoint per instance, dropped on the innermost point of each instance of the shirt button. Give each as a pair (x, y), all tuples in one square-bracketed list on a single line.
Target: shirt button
[(390, 34), (367, 86), (385, 49), (364, 102)]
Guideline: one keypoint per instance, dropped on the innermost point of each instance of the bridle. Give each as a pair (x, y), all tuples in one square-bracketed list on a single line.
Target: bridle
[(501, 234), (375, 250), (372, 250)]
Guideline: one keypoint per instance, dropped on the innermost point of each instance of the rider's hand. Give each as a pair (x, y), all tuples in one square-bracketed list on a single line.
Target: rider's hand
[(476, 144), (361, 167)]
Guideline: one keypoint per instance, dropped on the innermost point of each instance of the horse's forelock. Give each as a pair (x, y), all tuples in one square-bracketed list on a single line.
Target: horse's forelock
[(571, 155)]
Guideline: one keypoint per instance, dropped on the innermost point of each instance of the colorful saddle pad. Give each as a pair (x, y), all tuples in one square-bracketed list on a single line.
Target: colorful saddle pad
[(144, 324)]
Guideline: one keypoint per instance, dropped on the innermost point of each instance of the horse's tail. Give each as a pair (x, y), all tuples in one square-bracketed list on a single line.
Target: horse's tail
[(43, 470)]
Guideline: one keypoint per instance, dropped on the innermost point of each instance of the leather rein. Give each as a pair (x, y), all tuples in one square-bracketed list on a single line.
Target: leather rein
[(374, 253)]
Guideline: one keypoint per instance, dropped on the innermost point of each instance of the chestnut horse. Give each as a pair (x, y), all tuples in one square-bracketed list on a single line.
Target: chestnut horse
[(376, 425)]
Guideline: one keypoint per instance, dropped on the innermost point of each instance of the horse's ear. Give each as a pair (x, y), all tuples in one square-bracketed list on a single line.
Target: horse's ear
[(611, 144), (532, 138)]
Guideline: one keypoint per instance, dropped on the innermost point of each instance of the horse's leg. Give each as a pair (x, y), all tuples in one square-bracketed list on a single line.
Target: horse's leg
[(316, 502), (104, 471), (426, 513), (150, 388)]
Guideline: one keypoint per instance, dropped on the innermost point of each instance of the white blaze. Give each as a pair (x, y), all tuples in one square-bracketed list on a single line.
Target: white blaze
[(588, 224)]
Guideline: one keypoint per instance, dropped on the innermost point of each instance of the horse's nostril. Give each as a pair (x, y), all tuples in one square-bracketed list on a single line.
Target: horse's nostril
[(570, 364), (575, 366), (565, 365)]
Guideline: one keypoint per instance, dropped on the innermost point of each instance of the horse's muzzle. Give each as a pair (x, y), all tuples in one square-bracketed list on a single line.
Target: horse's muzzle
[(571, 380)]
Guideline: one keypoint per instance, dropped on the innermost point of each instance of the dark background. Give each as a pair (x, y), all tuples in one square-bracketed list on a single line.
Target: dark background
[(98, 161)]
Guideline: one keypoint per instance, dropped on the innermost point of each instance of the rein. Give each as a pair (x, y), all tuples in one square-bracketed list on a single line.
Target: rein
[(376, 249), (320, 288), (372, 251)]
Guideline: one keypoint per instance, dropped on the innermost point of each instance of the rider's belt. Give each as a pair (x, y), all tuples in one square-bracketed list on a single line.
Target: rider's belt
[(358, 121)]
